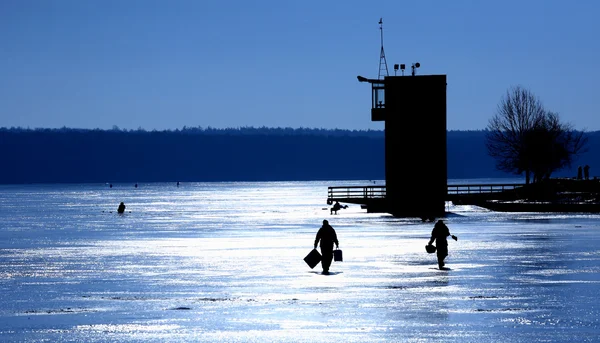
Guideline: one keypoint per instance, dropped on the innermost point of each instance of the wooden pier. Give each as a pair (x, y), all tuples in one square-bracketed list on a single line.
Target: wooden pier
[(373, 198), (466, 193)]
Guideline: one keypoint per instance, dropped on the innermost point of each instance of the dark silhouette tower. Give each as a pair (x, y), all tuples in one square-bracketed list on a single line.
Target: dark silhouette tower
[(414, 111)]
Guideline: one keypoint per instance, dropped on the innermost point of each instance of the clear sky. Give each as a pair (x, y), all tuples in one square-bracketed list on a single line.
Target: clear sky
[(225, 64)]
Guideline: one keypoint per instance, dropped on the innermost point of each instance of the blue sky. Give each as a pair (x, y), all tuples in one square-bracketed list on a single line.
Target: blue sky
[(169, 64)]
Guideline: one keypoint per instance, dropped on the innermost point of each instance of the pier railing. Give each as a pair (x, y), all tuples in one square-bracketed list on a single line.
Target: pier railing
[(482, 188), (354, 193)]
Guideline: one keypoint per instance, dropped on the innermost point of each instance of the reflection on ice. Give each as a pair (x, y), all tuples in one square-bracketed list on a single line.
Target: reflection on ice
[(223, 262), (127, 328)]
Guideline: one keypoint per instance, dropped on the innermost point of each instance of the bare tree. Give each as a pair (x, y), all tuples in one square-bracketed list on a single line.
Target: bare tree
[(554, 146), (525, 138)]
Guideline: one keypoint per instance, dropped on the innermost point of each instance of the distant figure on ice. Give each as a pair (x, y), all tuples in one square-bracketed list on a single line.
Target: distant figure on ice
[(439, 233), (135, 185), (327, 236), (121, 208), (586, 172), (336, 207), (579, 173)]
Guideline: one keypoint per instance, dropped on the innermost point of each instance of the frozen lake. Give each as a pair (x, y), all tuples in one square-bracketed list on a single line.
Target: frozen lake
[(222, 262)]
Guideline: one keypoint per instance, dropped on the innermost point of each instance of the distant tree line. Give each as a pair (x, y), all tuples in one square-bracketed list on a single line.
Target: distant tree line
[(196, 154), (69, 155), (219, 131)]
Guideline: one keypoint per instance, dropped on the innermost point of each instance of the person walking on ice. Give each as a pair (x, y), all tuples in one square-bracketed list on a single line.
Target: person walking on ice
[(328, 237), (439, 234)]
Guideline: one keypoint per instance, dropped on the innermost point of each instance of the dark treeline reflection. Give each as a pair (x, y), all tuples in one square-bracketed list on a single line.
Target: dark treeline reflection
[(244, 154)]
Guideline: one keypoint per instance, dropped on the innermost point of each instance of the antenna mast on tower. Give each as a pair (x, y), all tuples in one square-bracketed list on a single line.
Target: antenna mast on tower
[(383, 68)]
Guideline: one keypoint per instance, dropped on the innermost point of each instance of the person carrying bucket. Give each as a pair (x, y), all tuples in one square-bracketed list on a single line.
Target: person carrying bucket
[(439, 234), (328, 237)]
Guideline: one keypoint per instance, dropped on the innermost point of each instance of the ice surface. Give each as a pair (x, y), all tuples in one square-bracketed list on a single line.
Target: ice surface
[(222, 262)]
